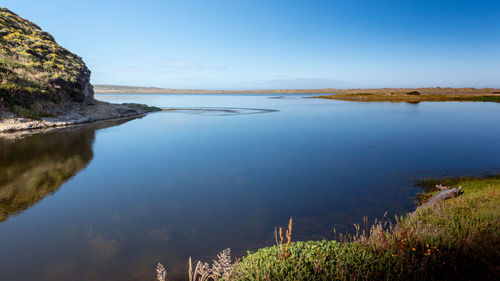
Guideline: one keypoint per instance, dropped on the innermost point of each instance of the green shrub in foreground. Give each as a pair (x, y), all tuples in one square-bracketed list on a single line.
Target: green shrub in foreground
[(316, 260)]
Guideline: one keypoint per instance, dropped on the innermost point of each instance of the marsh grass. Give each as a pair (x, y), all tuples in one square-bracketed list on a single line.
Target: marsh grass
[(413, 96)]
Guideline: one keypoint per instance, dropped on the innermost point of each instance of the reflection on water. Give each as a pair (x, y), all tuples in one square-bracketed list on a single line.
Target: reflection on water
[(169, 186), (37, 166)]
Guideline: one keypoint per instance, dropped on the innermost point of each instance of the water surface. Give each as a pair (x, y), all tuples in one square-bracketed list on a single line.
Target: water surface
[(107, 202)]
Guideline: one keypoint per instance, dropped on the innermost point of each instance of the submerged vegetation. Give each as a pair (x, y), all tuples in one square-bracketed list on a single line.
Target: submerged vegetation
[(455, 239), (35, 70), (412, 96)]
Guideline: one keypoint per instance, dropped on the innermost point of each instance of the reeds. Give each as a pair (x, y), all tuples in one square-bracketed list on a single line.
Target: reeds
[(161, 272), (221, 268), (288, 234)]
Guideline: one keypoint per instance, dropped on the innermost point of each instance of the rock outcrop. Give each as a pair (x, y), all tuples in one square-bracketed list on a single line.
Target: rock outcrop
[(43, 84), (38, 76)]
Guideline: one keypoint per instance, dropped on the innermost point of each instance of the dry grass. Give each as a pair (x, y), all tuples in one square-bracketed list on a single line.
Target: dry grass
[(221, 269), (284, 247), (161, 272)]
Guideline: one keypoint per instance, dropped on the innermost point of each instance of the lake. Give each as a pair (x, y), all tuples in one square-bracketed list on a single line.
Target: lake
[(108, 201)]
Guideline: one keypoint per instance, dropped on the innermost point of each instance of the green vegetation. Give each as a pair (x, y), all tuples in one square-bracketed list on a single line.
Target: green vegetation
[(457, 239), (34, 69), (413, 96)]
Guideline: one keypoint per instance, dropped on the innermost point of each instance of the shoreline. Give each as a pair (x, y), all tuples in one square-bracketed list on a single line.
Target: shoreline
[(117, 89), (77, 114)]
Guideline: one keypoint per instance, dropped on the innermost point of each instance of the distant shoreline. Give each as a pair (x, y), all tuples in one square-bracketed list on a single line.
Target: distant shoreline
[(116, 89), (414, 97)]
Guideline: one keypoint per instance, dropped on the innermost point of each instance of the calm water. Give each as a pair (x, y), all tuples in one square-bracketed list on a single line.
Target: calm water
[(107, 202)]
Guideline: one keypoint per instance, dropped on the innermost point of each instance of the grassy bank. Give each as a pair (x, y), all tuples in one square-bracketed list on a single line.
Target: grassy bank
[(457, 239), (413, 96)]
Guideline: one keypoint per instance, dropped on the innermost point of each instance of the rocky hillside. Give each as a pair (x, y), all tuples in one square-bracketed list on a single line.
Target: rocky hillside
[(38, 77)]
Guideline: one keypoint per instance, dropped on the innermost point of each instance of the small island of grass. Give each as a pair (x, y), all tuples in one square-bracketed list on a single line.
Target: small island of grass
[(413, 96)]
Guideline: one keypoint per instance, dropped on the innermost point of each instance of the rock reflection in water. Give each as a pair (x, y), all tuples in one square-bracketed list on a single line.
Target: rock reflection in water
[(36, 166)]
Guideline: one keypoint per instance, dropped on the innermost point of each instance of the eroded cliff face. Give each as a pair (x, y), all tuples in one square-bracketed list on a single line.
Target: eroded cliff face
[(37, 75)]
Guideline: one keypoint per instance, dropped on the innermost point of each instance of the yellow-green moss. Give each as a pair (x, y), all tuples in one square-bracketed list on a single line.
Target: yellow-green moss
[(33, 66)]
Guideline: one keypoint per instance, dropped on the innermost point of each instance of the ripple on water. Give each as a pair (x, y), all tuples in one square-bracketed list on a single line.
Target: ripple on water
[(219, 111)]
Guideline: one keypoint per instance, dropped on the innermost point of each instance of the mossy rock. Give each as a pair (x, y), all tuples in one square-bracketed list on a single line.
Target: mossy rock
[(37, 70)]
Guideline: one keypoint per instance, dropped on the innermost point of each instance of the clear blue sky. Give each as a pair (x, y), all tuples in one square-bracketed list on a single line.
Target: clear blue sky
[(267, 44)]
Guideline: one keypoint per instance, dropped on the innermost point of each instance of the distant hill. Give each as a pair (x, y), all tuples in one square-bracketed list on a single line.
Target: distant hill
[(125, 89), (38, 76), (109, 89)]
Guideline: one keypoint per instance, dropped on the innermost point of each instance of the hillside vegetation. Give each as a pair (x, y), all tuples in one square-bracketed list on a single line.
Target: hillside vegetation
[(38, 76)]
